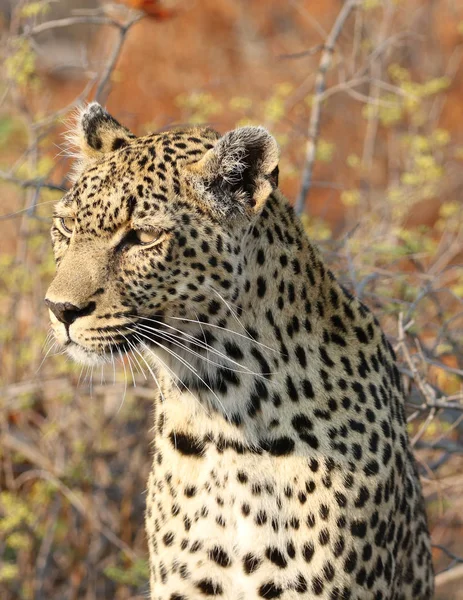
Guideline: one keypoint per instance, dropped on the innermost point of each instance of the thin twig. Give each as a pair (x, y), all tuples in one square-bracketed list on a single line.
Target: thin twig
[(31, 183), (101, 91), (69, 22), (309, 52), (320, 86)]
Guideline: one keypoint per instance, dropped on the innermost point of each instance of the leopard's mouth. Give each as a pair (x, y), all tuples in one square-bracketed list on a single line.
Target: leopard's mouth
[(121, 341)]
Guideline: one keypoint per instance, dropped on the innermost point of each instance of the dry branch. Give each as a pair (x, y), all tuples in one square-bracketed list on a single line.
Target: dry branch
[(449, 576), (320, 86), (102, 91), (31, 183)]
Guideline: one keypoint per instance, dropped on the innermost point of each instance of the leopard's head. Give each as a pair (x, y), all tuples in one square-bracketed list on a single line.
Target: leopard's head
[(151, 231)]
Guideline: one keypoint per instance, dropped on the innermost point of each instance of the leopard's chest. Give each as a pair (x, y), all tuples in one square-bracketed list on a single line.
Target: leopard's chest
[(238, 518)]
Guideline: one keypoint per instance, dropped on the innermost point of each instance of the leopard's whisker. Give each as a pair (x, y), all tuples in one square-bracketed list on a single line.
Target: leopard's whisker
[(132, 347), (194, 340), (114, 364), (86, 373), (80, 375), (207, 347), (47, 339), (172, 373), (187, 365), (199, 343), (171, 337), (91, 381), (163, 399), (130, 367), (232, 312), (125, 381), (213, 325), (45, 357)]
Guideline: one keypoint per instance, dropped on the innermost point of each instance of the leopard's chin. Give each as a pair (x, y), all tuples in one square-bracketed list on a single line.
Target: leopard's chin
[(87, 357)]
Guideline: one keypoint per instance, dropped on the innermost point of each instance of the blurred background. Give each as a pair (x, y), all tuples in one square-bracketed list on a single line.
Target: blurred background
[(365, 99)]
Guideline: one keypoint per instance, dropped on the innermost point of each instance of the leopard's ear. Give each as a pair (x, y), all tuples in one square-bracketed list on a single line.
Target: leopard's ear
[(240, 171), (95, 132)]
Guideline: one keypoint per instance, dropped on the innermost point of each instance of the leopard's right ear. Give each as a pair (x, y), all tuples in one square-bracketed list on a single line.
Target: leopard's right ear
[(95, 133)]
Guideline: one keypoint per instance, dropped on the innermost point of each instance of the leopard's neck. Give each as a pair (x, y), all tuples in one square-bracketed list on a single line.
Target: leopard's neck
[(237, 371)]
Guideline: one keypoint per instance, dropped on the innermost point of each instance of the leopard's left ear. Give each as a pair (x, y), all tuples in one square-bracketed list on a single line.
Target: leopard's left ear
[(96, 133), (240, 172)]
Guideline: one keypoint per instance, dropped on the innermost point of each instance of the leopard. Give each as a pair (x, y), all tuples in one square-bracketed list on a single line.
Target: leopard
[(281, 462)]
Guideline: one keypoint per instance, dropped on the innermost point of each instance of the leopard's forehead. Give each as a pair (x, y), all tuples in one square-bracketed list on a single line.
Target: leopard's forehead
[(140, 179)]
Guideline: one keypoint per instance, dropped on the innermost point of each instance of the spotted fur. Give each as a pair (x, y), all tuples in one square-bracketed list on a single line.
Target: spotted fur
[(282, 466)]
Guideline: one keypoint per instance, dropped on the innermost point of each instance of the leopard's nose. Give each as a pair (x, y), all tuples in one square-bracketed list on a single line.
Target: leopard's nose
[(67, 313)]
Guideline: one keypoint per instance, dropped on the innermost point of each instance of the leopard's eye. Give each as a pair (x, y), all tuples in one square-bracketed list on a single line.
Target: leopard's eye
[(144, 237), (67, 225)]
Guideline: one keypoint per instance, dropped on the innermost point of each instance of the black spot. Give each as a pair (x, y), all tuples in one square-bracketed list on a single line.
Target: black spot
[(358, 528), (290, 550), (213, 307), (300, 584), (317, 586), (362, 497), (190, 491), (367, 552), (242, 477), (264, 366), (309, 439), (131, 204), (281, 446), (291, 293), (350, 562), (308, 551), (357, 426), (324, 537), (187, 445), (326, 358), (301, 422), (270, 590), (209, 587), (361, 335), (219, 556), (168, 538), (324, 512), (371, 468), (328, 571), (251, 563), (233, 350), (261, 287), (313, 464), (307, 389), (276, 557), (340, 499), (261, 517), (301, 357), (291, 389), (310, 521), (118, 143), (339, 547)]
